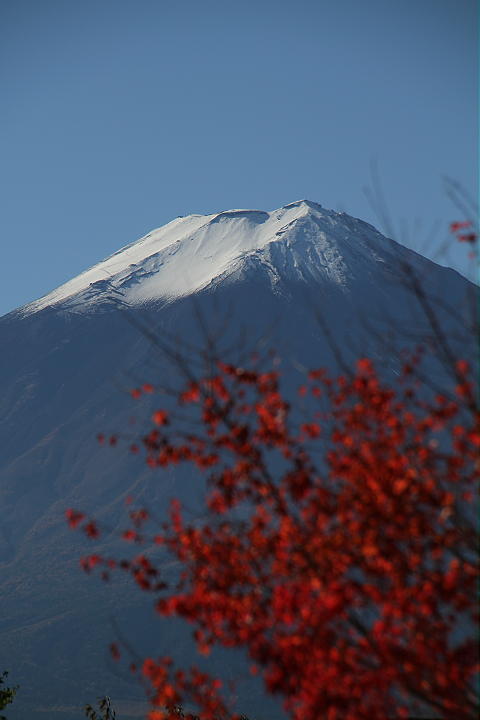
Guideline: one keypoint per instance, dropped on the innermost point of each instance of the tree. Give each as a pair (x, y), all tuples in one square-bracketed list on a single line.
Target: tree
[(7, 694), (105, 707), (338, 545)]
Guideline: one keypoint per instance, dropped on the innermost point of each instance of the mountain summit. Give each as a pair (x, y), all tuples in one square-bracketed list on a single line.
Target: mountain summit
[(317, 286), (300, 241)]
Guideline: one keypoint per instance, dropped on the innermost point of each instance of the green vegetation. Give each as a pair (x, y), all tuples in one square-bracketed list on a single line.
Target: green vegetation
[(105, 707), (7, 694)]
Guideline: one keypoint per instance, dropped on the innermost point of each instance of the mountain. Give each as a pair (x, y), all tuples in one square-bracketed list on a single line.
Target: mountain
[(197, 252), (319, 287)]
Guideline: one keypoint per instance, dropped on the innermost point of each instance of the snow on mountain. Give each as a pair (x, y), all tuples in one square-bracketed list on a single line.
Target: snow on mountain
[(191, 253), (67, 363)]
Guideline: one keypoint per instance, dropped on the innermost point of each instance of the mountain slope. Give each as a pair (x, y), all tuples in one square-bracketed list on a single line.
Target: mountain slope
[(256, 279)]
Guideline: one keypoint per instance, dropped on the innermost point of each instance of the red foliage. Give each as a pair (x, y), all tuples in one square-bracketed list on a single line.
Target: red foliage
[(74, 518), (91, 530), (456, 226), (470, 237), (114, 651), (347, 578)]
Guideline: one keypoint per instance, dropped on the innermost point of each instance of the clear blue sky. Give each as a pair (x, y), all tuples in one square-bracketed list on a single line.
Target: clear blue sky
[(118, 115)]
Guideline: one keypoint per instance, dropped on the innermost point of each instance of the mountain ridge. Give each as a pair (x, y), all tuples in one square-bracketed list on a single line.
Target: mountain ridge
[(189, 253)]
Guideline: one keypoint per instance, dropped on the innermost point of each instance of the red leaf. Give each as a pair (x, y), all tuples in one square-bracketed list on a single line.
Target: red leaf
[(74, 518), (114, 651), (160, 417), (456, 226)]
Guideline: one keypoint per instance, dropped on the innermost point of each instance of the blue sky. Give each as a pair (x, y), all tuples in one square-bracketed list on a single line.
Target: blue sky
[(119, 115)]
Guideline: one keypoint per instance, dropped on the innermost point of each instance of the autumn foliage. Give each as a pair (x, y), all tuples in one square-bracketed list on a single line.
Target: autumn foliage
[(340, 547)]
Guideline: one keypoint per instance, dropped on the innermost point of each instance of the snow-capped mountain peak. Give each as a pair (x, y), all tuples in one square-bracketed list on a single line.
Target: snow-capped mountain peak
[(192, 252)]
